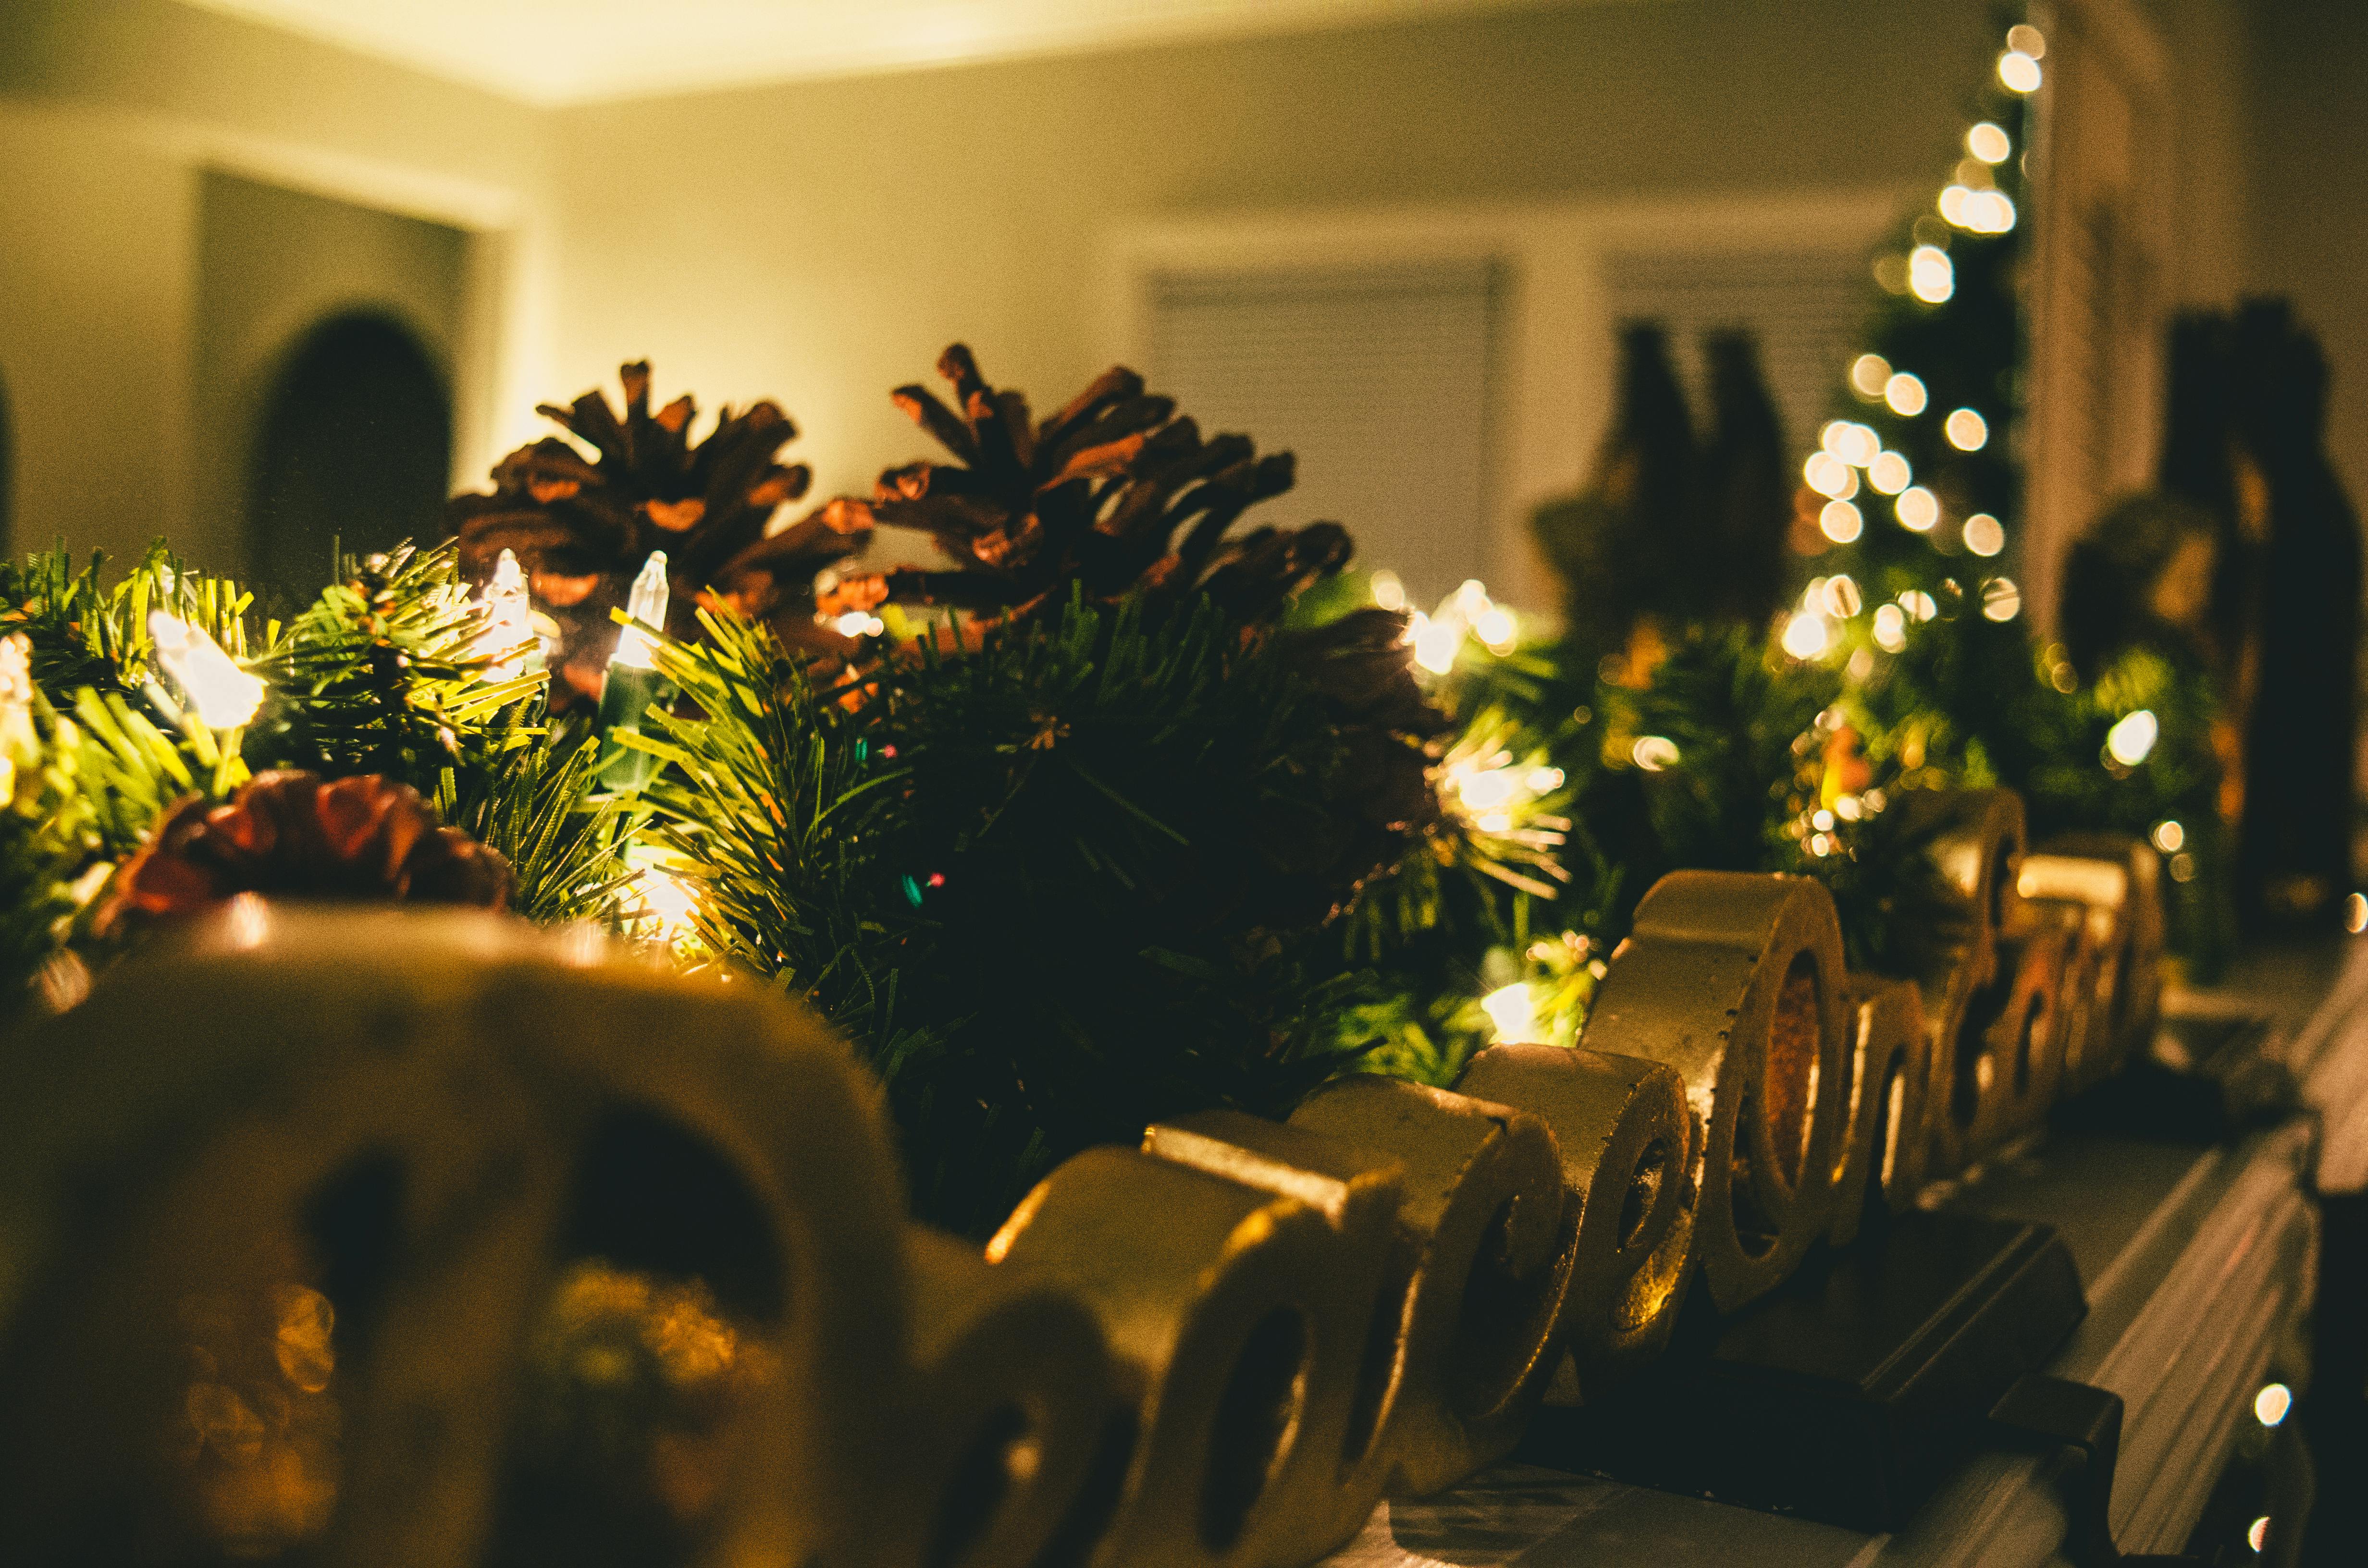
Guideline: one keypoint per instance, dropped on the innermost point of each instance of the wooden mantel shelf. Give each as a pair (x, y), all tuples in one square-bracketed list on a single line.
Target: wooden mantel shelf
[(2198, 1265)]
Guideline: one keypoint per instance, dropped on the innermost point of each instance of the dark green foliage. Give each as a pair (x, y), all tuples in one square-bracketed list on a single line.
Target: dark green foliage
[(1055, 886), (383, 674), (534, 808)]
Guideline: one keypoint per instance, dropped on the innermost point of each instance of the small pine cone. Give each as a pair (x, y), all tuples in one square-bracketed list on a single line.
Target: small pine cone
[(1113, 492), (296, 836), (582, 528)]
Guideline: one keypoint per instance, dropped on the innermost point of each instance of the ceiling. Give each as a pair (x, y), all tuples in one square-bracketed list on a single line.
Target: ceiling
[(564, 52)]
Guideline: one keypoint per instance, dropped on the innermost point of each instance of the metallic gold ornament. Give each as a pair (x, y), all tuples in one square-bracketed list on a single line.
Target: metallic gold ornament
[(1482, 1257), (2115, 880), (1735, 981), (1207, 1293), (445, 1070), (1000, 1424), (1621, 1127), (1975, 841), (2009, 1061), (1890, 1051), (1324, 1490)]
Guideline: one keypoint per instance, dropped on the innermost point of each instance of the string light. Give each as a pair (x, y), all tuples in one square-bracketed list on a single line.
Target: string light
[(2170, 837), (224, 696), (1654, 753), (1828, 475), (509, 622), (1984, 535), (1918, 603), (2001, 600), (2028, 40), (1890, 628), (1512, 1013), (1853, 443), (1906, 395), (1805, 636), (2019, 71), (1967, 431), (1918, 508), (1388, 592), (1889, 472), (631, 685), (1840, 521), (2132, 737), (1841, 597), (2257, 1536), (1867, 375), (1988, 142), (2271, 1405), (1435, 642), (1930, 276), (2355, 914)]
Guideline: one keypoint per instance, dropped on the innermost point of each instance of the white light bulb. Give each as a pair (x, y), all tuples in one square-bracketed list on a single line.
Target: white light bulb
[(1436, 642), (1654, 752), (1988, 142), (2133, 738), (224, 696), (1889, 472), (2019, 71), (1840, 521), (646, 604), (1984, 535), (1511, 1014), (1906, 395), (509, 622), (2170, 837), (1388, 591), (1931, 277), (1890, 628), (2001, 600), (1868, 373), (1805, 636), (1918, 508), (1967, 431)]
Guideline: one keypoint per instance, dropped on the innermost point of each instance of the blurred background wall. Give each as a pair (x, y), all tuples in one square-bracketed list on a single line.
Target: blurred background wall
[(185, 196)]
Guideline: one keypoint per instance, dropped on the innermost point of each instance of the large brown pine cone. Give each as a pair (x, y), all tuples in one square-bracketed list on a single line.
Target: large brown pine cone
[(1113, 492), (582, 528), (297, 836)]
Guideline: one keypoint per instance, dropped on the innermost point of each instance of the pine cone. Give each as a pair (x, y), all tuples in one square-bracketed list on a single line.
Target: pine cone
[(1113, 492), (582, 530), (294, 834)]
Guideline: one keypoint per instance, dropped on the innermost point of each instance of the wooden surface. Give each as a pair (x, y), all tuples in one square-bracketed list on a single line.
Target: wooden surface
[(2197, 1262)]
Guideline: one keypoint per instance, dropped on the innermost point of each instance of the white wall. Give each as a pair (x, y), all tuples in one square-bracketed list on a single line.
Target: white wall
[(111, 110)]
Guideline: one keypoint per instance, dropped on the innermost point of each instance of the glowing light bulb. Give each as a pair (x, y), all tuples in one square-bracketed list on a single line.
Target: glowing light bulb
[(1842, 599), (509, 622), (2170, 837), (1890, 628), (1840, 521), (1494, 627), (2258, 1535), (1485, 791), (647, 603), (1983, 212), (1868, 373), (1889, 472), (1930, 276), (1918, 508), (1918, 603), (1852, 443), (1988, 142), (1805, 635), (1511, 1014), (2130, 740), (1389, 593), (1436, 642), (1984, 535), (2271, 1405), (2019, 71), (1906, 395), (2355, 914), (1654, 752), (1543, 780), (224, 696), (2024, 38), (1967, 431), (2001, 600), (1828, 475), (1952, 205)]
